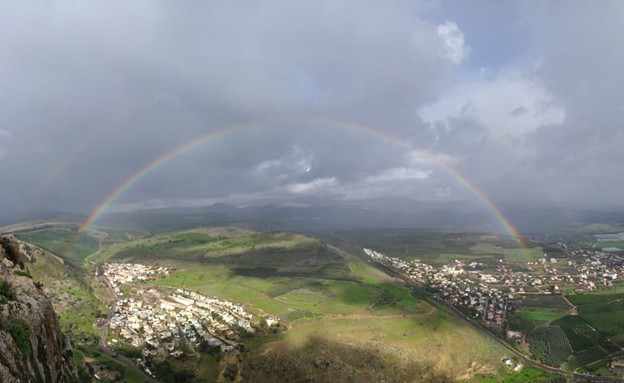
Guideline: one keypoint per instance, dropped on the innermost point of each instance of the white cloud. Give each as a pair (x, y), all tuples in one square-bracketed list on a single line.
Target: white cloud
[(294, 163), (312, 186), (453, 39), (6, 133), (507, 107), (400, 174)]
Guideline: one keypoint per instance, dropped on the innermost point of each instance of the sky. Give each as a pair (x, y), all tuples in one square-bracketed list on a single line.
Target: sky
[(334, 102)]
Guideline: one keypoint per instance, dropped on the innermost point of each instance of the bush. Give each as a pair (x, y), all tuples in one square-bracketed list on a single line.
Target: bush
[(22, 273), (7, 290), (20, 332)]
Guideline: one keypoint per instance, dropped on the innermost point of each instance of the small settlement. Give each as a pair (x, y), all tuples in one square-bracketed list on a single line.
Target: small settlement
[(490, 295), (167, 322)]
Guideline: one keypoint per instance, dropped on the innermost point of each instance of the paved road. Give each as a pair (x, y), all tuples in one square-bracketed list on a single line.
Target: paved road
[(103, 327), (127, 361), (459, 314)]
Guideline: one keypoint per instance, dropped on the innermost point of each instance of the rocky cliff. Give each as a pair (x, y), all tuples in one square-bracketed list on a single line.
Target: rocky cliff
[(32, 346)]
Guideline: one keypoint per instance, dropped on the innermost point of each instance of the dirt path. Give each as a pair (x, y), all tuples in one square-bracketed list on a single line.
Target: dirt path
[(101, 247), (574, 309)]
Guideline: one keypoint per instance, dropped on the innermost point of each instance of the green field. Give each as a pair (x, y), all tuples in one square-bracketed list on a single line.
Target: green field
[(550, 345), (111, 364), (603, 312), (546, 301), (586, 356), (527, 375), (62, 241), (534, 311), (317, 289), (618, 244), (582, 335), (438, 248), (201, 244), (593, 298), (540, 314)]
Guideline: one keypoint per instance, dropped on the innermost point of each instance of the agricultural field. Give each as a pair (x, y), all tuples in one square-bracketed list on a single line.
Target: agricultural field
[(539, 314), (603, 312), (526, 375), (550, 345), (438, 248), (322, 292), (546, 301), (585, 357), (602, 245), (582, 335), (319, 290), (538, 310)]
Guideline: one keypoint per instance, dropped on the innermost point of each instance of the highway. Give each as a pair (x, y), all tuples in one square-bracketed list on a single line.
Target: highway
[(528, 361)]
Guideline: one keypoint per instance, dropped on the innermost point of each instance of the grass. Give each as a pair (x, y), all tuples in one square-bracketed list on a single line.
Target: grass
[(581, 335), (448, 343), (319, 289), (540, 314), (522, 256), (62, 241), (608, 323), (593, 298), (367, 308), (71, 292), (550, 345), (199, 245), (585, 357), (618, 244), (526, 375), (545, 301), (604, 312), (129, 375), (321, 297)]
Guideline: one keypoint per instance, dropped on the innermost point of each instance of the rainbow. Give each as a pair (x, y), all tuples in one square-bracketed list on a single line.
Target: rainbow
[(189, 145)]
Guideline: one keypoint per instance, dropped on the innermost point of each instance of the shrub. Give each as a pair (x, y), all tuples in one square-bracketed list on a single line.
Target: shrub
[(20, 332), (7, 290), (22, 273)]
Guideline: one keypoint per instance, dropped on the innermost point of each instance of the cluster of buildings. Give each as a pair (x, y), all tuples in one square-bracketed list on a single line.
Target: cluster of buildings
[(117, 274), (588, 269), (490, 295), (182, 320), (166, 322), (467, 290)]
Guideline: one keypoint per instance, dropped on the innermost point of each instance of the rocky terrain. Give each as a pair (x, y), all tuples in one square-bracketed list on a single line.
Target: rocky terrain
[(32, 346)]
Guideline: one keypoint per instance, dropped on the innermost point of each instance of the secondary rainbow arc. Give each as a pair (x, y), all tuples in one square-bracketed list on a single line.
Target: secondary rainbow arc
[(193, 143)]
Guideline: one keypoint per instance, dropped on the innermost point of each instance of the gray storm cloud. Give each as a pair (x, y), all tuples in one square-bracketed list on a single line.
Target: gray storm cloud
[(90, 92)]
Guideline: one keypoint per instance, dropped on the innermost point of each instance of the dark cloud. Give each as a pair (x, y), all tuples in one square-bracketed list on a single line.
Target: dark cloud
[(90, 92)]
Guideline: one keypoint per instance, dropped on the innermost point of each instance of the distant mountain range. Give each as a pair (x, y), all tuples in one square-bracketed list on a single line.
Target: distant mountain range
[(449, 216)]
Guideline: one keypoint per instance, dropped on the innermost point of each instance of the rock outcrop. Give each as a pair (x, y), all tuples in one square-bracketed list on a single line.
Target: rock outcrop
[(32, 346)]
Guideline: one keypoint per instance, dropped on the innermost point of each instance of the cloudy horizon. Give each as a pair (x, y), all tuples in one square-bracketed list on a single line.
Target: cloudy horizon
[(307, 102)]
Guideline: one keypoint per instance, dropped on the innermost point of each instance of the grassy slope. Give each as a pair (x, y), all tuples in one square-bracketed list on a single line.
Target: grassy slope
[(62, 241), (318, 289), (71, 292)]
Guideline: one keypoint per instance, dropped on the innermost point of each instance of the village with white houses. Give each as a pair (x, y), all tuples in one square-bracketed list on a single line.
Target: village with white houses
[(169, 322), (490, 295)]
